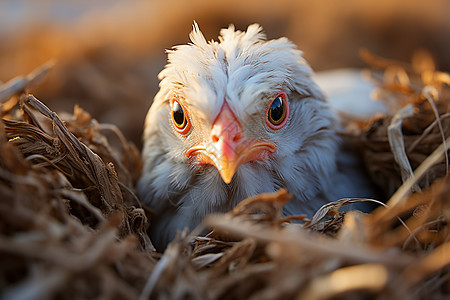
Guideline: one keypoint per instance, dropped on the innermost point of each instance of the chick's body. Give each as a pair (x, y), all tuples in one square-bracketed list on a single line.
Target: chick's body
[(232, 119)]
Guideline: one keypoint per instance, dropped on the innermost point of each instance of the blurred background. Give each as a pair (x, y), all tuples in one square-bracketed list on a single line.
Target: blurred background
[(108, 52)]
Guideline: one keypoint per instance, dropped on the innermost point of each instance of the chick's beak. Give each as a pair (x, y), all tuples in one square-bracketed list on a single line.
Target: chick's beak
[(226, 148)]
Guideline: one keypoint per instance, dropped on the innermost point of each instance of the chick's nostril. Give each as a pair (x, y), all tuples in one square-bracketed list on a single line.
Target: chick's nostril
[(226, 127), (237, 137)]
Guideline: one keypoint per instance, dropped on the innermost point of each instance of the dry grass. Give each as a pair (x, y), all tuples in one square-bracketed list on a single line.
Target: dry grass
[(72, 227)]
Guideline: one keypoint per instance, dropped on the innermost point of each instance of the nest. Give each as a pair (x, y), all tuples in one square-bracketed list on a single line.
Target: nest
[(396, 145), (71, 225)]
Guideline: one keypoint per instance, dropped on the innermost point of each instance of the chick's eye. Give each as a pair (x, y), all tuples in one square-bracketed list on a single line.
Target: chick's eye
[(179, 118), (277, 112)]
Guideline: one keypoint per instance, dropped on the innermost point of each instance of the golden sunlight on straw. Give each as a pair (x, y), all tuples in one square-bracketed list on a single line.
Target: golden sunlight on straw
[(372, 277)]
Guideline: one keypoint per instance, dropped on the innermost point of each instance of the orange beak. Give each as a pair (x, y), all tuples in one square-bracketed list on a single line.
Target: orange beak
[(227, 149)]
